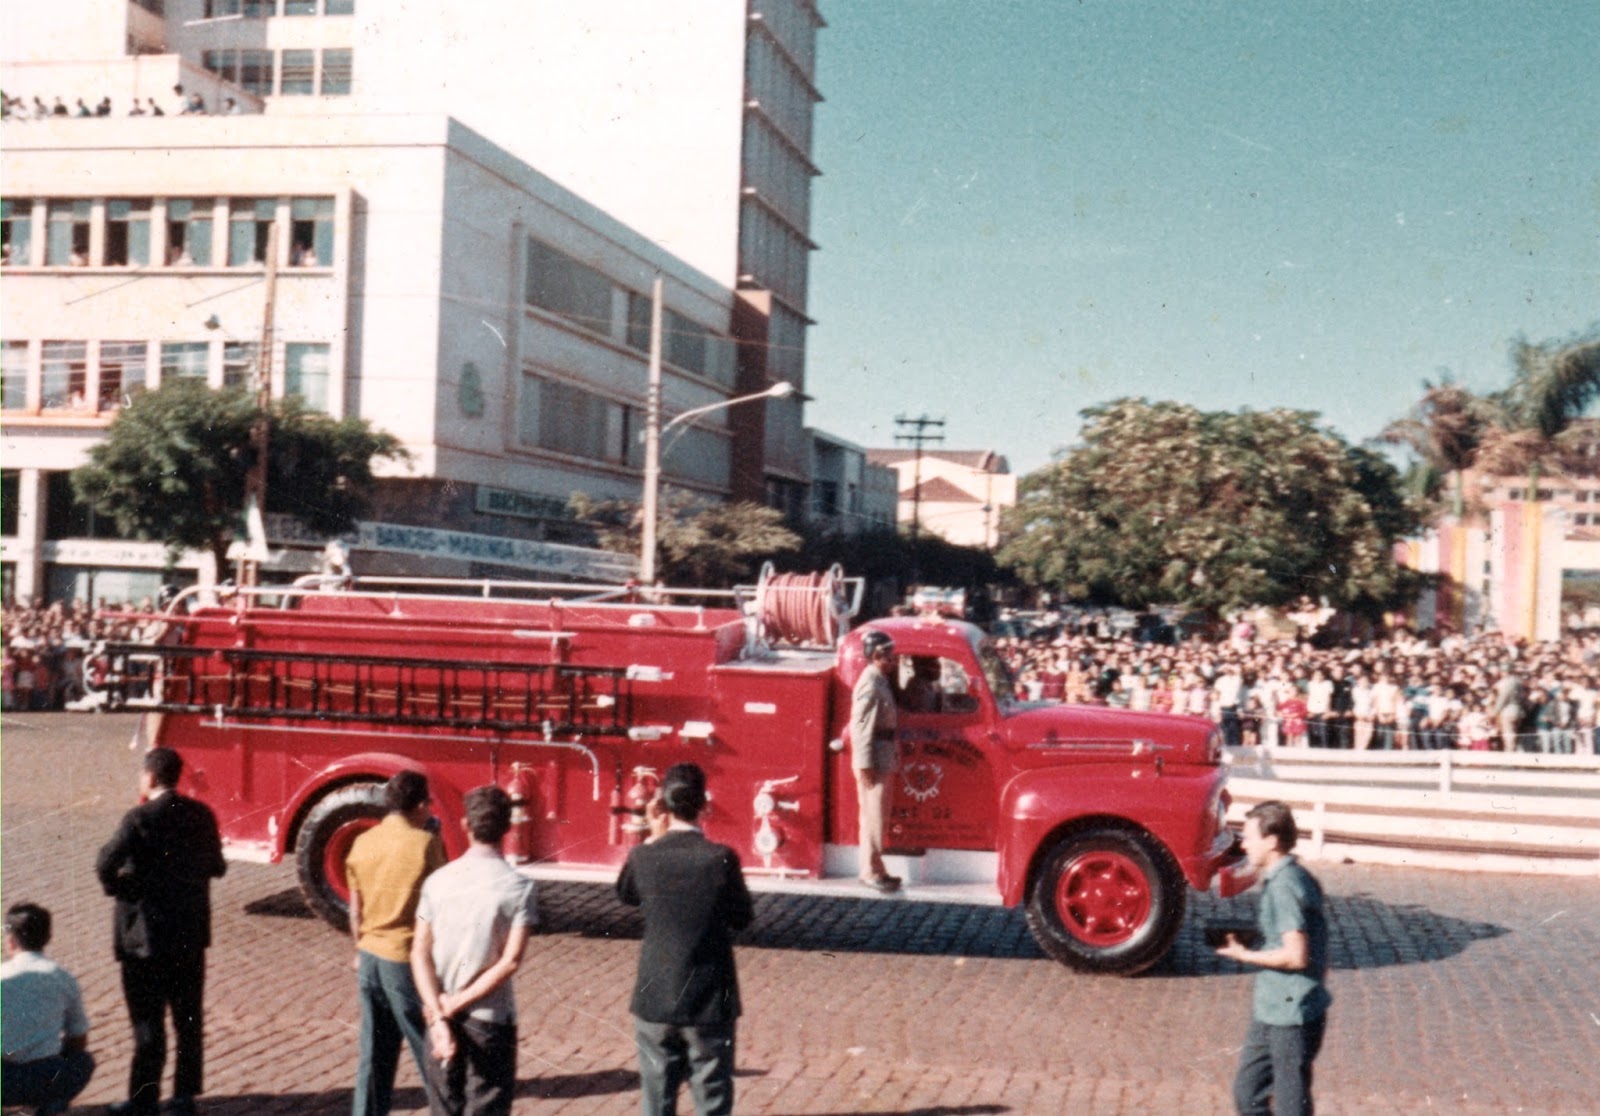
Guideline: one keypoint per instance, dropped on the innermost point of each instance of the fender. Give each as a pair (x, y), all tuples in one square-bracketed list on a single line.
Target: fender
[(1177, 806), (374, 765)]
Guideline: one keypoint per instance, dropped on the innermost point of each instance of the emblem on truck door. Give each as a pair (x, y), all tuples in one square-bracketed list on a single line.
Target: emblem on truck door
[(921, 779)]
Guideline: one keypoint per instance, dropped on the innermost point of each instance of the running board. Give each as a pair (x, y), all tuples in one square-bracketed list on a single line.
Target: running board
[(940, 876)]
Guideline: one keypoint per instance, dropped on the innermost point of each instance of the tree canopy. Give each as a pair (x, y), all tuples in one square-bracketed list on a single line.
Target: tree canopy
[(174, 466), (1530, 426), (1165, 503), (699, 545)]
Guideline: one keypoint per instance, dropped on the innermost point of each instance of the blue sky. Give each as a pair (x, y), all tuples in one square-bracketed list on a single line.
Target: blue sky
[(1031, 207)]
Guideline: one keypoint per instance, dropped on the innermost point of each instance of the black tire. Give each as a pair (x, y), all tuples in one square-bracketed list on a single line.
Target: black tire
[(1106, 900), (325, 837)]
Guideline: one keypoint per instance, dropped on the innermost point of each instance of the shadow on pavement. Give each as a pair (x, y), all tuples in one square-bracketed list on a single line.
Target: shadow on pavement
[(544, 1087), (1363, 932), (936, 1110)]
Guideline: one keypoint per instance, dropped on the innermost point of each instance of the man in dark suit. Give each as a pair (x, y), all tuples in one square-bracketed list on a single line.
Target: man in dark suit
[(159, 868), (686, 998)]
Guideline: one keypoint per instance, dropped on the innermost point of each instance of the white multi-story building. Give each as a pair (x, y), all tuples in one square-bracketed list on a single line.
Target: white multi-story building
[(471, 202)]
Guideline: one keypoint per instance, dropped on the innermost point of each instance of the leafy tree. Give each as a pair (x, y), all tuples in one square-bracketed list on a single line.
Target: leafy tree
[(1445, 430), (699, 545), (174, 466), (1553, 384), (1164, 503)]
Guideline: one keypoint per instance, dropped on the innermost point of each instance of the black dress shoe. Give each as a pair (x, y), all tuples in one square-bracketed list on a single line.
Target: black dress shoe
[(884, 884), (180, 1106)]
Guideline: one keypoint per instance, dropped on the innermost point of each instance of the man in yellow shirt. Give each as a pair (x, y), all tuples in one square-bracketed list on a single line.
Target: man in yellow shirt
[(385, 870)]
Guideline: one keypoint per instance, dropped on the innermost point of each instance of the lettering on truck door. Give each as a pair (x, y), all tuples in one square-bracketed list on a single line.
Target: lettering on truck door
[(943, 795)]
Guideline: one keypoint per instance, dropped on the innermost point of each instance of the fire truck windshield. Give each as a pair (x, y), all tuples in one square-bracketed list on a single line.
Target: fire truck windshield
[(1002, 684)]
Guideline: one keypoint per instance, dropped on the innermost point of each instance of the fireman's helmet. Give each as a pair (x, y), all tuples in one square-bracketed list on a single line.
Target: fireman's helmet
[(874, 644)]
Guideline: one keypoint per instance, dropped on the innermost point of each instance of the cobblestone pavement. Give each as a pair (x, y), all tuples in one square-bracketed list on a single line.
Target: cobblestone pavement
[(1454, 993)]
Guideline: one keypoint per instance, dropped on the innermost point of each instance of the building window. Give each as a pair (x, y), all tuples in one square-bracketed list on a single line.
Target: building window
[(305, 373), (310, 232), (255, 72), (297, 73), (217, 9), (694, 347), (154, 7), (238, 364), (10, 497), (128, 232), (249, 225), (299, 7), (66, 518), (639, 321), (337, 68), (825, 497), (14, 377), (188, 232), (560, 284), (67, 239), (16, 230), (339, 7), (223, 63), (122, 372), (185, 360), (64, 375), (567, 419), (260, 9), (686, 344)]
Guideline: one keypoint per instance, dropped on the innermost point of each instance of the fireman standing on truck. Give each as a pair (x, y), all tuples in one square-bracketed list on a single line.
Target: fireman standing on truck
[(873, 752)]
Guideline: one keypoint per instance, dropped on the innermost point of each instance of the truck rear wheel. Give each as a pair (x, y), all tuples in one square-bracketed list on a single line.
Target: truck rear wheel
[(1106, 900), (325, 839)]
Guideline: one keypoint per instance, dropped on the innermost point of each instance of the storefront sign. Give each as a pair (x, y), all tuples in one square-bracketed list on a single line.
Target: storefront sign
[(539, 557), (524, 505), (112, 552)]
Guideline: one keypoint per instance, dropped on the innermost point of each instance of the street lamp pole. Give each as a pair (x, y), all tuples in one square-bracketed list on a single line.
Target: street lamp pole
[(654, 429), (256, 481), (652, 443)]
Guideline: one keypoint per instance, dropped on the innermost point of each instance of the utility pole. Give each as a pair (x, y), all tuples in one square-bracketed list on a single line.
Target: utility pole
[(652, 444), (916, 432), (256, 483)]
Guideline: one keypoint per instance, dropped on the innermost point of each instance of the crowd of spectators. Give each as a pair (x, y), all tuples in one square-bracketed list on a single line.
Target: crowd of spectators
[(53, 653), (1400, 691), (188, 104)]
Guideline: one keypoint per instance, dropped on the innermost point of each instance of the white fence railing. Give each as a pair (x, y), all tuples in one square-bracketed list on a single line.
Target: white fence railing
[(1486, 810)]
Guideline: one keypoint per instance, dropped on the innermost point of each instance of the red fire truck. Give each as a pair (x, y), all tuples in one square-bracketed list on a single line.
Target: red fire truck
[(292, 706)]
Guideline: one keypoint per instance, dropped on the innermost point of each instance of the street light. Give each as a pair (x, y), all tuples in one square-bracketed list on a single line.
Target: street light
[(653, 429)]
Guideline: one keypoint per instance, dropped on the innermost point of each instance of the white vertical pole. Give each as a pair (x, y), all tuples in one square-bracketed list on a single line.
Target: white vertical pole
[(652, 444)]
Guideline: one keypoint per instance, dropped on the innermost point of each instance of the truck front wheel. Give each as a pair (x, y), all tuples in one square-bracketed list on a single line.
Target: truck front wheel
[(1106, 901), (325, 839)]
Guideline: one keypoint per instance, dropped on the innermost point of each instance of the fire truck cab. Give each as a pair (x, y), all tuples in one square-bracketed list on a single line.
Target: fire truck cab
[(293, 706)]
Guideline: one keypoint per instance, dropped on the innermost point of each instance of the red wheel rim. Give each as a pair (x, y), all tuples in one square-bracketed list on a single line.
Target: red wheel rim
[(1103, 898), (335, 851)]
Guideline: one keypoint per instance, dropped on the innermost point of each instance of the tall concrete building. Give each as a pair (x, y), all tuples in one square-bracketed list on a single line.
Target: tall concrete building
[(472, 201)]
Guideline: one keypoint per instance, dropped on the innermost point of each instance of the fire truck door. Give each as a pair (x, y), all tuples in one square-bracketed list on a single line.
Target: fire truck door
[(943, 795)]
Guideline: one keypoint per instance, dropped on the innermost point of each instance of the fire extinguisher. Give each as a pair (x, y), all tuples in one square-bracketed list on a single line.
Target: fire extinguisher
[(520, 789), (628, 807)]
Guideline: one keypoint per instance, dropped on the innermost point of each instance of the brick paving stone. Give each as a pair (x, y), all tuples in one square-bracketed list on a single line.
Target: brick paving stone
[(1454, 993)]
